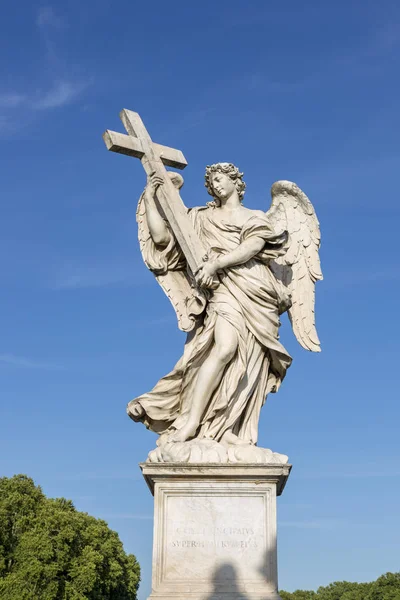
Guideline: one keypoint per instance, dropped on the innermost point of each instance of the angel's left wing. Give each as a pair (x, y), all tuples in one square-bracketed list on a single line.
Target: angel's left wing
[(299, 269)]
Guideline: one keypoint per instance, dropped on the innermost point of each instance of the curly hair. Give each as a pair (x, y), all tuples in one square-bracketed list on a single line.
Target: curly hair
[(232, 172)]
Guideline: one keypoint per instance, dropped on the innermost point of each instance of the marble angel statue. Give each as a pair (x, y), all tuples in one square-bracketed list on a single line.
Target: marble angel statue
[(258, 265)]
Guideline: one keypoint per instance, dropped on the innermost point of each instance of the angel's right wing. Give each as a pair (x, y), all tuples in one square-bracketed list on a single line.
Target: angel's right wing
[(299, 269), (169, 268)]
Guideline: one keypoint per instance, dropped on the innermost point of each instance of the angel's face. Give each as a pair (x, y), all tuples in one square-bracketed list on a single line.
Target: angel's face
[(222, 185)]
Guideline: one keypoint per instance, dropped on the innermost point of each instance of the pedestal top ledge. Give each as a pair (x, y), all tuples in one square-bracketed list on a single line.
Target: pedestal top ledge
[(274, 473)]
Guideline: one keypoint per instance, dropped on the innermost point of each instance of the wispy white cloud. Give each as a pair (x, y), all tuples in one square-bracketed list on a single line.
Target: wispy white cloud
[(26, 363), (61, 91), (387, 37), (61, 94), (46, 17), (11, 100), (93, 276), (347, 63)]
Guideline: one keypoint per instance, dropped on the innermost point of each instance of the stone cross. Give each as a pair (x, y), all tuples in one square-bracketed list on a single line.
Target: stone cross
[(139, 144)]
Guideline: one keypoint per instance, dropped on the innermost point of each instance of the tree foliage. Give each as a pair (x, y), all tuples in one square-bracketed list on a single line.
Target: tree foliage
[(386, 587), (298, 595), (49, 550)]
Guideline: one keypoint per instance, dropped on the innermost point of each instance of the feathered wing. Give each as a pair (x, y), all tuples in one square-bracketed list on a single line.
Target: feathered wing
[(299, 269), (186, 300)]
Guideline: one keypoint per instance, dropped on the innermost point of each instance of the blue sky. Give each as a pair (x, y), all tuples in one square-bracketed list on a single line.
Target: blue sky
[(306, 91)]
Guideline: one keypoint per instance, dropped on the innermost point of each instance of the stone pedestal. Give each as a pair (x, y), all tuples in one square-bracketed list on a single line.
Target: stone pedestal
[(215, 530)]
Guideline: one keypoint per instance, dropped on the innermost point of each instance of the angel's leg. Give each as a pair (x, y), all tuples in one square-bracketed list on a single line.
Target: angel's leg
[(209, 376)]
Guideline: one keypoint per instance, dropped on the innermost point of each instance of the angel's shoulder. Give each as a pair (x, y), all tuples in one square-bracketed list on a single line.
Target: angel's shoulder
[(197, 209), (256, 213), (251, 214), (197, 214)]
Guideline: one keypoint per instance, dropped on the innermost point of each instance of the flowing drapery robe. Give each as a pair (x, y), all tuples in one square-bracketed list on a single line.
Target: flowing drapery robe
[(251, 299)]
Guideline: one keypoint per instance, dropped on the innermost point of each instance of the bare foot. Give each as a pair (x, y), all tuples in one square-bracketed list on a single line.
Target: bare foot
[(185, 433), (231, 439), (135, 410)]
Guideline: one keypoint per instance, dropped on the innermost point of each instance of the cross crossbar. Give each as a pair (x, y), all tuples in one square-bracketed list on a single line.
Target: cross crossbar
[(131, 146)]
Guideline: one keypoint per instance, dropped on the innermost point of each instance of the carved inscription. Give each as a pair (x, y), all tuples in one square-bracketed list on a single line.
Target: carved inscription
[(220, 537), (206, 530)]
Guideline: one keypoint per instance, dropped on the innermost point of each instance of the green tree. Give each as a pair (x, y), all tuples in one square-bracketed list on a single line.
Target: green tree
[(358, 591), (298, 595), (50, 551), (341, 590), (386, 587)]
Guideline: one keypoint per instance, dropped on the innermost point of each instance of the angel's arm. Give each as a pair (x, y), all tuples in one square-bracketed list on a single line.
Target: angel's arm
[(157, 226), (244, 252)]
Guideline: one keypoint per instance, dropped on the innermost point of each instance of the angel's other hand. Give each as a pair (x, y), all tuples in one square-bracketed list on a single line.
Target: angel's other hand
[(207, 282), (205, 274), (208, 269)]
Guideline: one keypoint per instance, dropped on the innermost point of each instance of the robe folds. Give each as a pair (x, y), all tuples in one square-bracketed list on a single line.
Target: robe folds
[(251, 299)]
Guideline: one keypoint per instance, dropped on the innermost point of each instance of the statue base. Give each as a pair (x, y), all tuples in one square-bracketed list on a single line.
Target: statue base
[(215, 530), (204, 451)]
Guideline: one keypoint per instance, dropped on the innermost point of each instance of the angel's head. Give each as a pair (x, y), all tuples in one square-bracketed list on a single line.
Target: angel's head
[(221, 180)]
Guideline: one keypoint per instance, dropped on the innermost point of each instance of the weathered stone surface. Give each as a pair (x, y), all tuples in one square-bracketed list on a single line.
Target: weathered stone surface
[(200, 451), (215, 530), (230, 272)]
